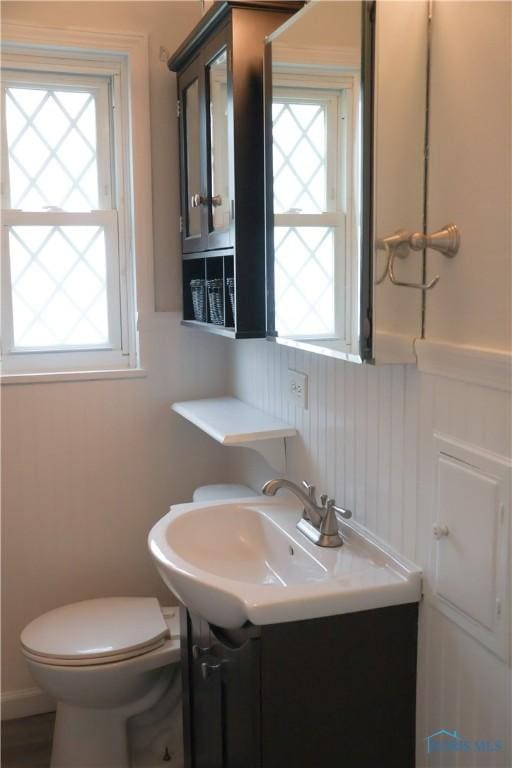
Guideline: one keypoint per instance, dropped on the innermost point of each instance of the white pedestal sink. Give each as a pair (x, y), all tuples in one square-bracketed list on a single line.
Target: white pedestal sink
[(245, 560)]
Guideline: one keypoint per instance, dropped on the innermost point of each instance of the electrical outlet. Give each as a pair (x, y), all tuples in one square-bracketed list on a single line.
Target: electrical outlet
[(298, 388)]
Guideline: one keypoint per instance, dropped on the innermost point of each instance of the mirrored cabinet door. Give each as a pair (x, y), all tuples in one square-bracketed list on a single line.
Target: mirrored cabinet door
[(219, 141), (206, 141), (345, 163), (219, 186), (193, 186), (316, 103)]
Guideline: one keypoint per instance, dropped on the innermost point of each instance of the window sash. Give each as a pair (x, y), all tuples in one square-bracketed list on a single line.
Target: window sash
[(108, 221), (331, 102), (100, 87), (338, 226)]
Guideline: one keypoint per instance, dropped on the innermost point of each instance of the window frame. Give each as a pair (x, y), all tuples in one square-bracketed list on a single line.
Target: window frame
[(124, 58), (339, 93)]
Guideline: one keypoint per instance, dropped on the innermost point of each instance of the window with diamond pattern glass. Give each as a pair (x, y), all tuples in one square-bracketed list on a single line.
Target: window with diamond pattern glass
[(304, 256), (51, 136), (58, 270), (58, 278), (299, 157)]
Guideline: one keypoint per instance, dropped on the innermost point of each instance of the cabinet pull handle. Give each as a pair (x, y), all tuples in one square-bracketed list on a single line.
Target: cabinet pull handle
[(197, 651), (207, 670)]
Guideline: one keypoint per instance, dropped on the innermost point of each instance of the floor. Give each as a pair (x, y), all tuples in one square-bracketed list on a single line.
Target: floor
[(26, 743)]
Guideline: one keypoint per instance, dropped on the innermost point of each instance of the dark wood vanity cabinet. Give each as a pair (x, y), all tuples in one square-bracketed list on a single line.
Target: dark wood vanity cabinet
[(220, 109), (335, 692)]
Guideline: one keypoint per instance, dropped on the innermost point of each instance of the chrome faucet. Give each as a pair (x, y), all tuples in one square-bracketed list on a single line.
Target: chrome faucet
[(318, 523), (312, 511)]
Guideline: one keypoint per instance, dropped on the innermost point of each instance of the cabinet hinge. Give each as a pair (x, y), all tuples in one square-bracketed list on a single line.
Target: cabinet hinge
[(181, 223), (178, 108)]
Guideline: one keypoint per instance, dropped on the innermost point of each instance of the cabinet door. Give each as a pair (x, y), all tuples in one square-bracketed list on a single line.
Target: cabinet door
[(224, 701), (193, 158), (219, 141)]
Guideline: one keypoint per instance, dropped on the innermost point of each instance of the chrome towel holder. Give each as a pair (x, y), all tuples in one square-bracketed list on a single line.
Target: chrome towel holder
[(445, 240)]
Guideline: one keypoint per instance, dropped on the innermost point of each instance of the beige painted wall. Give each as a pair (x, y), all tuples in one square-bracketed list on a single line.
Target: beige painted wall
[(166, 23), (471, 172)]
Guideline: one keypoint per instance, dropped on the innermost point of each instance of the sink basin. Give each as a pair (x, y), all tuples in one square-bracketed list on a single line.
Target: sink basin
[(245, 560)]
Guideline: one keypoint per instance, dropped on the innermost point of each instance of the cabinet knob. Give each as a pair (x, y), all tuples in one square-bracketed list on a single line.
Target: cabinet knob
[(196, 200), (216, 201)]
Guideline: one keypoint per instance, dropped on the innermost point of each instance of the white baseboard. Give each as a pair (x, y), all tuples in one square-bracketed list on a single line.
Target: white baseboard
[(25, 702)]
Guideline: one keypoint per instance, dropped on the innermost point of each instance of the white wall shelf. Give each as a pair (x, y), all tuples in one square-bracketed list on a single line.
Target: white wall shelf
[(229, 421)]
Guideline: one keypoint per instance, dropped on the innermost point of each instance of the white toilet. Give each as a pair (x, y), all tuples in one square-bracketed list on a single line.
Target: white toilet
[(108, 661), (104, 661)]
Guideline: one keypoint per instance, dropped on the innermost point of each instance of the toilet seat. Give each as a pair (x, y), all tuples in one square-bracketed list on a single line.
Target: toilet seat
[(96, 632)]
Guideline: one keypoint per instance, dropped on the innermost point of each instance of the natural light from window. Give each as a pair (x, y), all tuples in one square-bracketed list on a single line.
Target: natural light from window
[(304, 267)]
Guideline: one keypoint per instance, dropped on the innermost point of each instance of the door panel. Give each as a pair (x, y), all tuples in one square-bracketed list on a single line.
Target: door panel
[(219, 141), (218, 116), (192, 150), (224, 703)]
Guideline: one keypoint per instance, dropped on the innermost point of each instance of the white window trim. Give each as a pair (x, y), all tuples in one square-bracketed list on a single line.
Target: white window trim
[(131, 53)]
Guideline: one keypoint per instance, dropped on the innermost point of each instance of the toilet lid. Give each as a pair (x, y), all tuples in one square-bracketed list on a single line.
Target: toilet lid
[(94, 630)]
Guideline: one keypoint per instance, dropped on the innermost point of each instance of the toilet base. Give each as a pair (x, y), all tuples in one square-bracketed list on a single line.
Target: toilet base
[(87, 737), (156, 734), (84, 738)]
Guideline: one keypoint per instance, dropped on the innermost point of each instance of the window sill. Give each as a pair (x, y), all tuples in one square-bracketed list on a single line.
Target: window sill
[(69, 376)]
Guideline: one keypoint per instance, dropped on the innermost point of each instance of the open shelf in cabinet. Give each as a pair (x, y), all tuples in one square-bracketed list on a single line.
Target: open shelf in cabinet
[(209, 293)]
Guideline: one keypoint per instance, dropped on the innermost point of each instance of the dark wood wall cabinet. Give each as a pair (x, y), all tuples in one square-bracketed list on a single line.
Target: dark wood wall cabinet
[(335, 692), (220, 109)]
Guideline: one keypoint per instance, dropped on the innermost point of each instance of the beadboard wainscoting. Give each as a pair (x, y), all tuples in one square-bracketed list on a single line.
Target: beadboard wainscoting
[(368, 439), (88, 467)]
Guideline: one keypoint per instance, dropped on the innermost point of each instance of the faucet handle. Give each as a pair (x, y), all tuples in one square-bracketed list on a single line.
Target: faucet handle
[(345, 513), (310, 490), (329, 524)]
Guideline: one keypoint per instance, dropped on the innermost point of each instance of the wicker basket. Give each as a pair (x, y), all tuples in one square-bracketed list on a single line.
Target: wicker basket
[(198, 299), (216, 301), (230, 282)]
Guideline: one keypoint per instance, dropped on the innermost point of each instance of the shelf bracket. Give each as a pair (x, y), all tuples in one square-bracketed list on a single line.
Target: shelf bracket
[(272, 450)]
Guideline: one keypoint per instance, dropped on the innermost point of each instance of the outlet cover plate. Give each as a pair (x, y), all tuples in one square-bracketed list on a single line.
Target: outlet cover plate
[(298, 388)]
